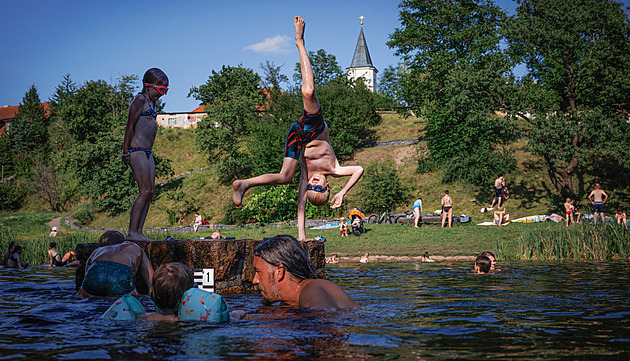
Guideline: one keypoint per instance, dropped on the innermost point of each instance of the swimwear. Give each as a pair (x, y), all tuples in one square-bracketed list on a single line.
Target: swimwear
[(497, 221), (417, 204), (56, 262), (598, 207), (446, 209), (303, 131), (199, 305), (148, 113), (105, 278), (195, 305), (13, 258), (568, 212), (498, 192), (146, 151)]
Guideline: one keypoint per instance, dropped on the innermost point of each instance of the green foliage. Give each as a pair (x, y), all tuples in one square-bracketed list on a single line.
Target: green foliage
[(325, 69), (381, 188), (453, 67), (577, 85), (182, 207), (479, 168), (427, 164), (12, 195), (390, 86), (29, 127), (277, 204), (231, 97), (103, 176), (579, 242), (85, 213)]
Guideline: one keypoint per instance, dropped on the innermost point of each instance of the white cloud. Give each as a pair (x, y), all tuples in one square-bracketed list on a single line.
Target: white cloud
[(276, 45)]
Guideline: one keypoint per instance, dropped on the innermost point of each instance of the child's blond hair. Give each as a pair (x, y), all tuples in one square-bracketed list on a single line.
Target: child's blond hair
[(318, 198)]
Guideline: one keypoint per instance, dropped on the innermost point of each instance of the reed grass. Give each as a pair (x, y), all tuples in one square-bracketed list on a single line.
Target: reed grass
[(580, 242)]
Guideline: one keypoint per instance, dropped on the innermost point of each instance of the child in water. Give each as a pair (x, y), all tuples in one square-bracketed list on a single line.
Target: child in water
[(307, 143), (137, 144)]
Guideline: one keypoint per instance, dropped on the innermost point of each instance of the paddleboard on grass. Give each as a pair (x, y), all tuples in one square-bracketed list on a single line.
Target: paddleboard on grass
[(531, 219)]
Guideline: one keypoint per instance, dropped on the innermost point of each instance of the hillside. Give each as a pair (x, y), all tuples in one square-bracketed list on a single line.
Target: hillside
[(530, 190)]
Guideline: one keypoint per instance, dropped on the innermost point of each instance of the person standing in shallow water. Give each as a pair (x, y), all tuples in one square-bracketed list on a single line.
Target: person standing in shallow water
[(307, 143), (137, 147)]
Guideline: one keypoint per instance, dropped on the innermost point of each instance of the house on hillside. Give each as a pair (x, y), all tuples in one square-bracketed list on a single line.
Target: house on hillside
[(7, 113), (181, 120)]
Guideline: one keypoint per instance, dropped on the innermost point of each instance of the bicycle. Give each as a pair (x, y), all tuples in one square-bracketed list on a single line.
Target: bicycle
[(385, 217)]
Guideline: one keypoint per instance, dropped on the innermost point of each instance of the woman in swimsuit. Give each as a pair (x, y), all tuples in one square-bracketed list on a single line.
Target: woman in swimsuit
[(54, 256), (137, 146), (15, 260), (447, 209)]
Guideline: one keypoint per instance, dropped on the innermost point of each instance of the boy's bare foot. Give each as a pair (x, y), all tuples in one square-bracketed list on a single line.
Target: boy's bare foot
[(299, 25), (133, 236), (238, 192)]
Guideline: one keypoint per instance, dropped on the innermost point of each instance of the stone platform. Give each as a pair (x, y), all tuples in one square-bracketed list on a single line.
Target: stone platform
[(232, 260)]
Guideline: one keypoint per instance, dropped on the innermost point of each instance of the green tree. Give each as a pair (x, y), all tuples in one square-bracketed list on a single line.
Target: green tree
[(325, 68), (103, 176), (456, 70), (231, 97), (381, 188), (577, 89), (29, 127)]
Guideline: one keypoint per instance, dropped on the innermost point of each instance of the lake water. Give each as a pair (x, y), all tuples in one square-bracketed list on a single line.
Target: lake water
[(408, 311)]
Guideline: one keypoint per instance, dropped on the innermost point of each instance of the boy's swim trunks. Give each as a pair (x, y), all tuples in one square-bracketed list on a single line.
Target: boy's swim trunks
[(105, 278), (304, 130)]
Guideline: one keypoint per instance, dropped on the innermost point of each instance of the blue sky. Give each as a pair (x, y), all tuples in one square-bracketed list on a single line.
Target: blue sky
[(90, 40)]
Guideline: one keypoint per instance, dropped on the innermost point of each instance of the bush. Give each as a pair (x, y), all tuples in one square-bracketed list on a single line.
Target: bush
[(382, 188), (84, 214), (478, 168), (12, 195)]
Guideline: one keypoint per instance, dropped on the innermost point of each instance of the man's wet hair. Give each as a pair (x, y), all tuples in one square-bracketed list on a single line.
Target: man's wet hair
[(110, 238), (287, 251), (483, 263), (488, 254)]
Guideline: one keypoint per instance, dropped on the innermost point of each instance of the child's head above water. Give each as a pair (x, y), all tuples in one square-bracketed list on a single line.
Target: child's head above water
[(482, 264), (318, 190), (170, 281)]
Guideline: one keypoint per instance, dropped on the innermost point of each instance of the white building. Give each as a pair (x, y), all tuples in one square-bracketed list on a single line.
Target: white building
[(181, 120), (361, 66)]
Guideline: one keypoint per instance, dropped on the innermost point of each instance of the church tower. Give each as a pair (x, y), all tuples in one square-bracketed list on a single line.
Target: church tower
[(361, 66)]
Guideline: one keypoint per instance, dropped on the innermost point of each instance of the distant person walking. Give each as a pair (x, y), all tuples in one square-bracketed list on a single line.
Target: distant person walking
[(447, 209), (598, 197), (137, 147), (499, 186)]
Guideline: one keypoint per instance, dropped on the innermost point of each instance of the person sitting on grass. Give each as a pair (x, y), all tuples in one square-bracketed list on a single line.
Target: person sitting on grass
[(621, 218), (575, 212), (307, 144), (501, 218), (482, 265), (69, 260), (8, 253)]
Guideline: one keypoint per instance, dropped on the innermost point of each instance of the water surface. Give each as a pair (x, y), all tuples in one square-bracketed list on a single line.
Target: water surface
[(408, 311)]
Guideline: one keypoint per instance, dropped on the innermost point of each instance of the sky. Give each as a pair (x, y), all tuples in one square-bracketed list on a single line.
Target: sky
[(104, 40)]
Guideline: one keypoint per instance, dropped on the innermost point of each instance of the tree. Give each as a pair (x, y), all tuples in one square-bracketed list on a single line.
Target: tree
[(390, 84), (456, 70), (381, 188), (325, 68), (29, 127), (577, 89), (231, 98), (91, 111)]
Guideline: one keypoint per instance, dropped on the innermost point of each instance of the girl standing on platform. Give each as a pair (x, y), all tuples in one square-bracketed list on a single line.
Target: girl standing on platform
[(137, 145)]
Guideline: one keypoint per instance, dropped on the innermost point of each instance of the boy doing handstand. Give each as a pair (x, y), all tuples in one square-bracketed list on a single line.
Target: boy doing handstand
[(307, 143)]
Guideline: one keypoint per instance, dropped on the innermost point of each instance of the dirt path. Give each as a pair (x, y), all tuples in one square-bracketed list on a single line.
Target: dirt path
[(56, 222)]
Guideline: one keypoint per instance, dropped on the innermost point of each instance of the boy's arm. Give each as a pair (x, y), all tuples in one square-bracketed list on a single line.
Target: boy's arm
[(354, 172), (605, 197), (301, 217), (146, 271), (589, 197)]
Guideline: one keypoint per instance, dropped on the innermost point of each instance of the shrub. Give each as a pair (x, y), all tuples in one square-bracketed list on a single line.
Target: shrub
[(382, 188)]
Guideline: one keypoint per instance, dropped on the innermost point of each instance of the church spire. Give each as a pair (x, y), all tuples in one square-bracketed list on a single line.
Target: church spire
[(362, 66)]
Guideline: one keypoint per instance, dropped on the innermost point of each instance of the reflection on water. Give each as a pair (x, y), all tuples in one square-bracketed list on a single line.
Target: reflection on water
[(408, 311)]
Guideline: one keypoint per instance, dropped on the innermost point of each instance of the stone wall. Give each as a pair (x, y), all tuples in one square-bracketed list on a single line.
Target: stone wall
[(232, 260)]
